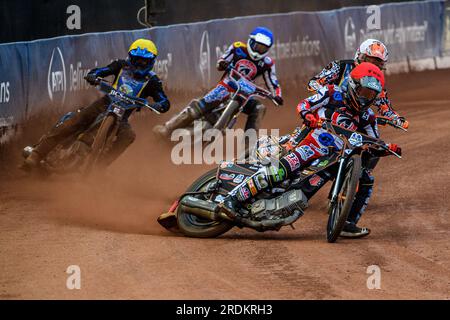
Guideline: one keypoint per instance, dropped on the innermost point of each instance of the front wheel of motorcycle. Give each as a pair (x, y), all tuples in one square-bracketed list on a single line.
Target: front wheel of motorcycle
[(99, 144), (339, 211), (193, 226)]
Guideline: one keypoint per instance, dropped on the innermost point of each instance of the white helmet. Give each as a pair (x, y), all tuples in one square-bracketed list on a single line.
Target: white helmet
[(373, 49), (259, 43)]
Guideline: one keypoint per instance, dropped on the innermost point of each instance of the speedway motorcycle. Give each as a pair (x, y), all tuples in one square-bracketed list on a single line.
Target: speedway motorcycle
[(226, 114), (74, 154), (194, 214)]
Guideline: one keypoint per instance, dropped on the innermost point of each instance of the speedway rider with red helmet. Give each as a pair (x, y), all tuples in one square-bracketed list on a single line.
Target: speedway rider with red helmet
[(133, 76), (348, 107), (251, 60), (373, 51), (337, 72)]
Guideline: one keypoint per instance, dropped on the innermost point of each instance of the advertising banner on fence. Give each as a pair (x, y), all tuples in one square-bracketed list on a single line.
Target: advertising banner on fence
[(44, 74)]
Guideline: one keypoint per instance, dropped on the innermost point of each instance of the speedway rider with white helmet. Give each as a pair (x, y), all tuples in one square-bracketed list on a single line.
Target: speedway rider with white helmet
[(337, 72), (249, 59), (348, 107)]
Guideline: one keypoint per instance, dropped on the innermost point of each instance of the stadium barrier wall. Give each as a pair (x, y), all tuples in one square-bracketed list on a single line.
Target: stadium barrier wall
[(43, 74)]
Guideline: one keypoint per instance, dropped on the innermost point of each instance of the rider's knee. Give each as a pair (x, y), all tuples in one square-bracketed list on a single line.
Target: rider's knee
[(194, 110), (127, 135), (260, 108)]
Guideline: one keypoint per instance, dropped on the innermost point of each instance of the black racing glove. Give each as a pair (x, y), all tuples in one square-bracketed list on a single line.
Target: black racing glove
[(279, 100), (91, 78), (222, 65)]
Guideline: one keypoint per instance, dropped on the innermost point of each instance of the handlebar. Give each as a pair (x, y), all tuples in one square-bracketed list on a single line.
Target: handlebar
[(367, 140), (235, 76), (105, 87), (383, 121)]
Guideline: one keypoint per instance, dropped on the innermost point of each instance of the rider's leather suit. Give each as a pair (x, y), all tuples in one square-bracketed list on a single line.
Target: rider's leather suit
[(329, 103), (236, 56), (337, 73), (126, 81)]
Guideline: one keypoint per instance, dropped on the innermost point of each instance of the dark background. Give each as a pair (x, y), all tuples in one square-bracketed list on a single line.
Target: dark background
[(24, 20)]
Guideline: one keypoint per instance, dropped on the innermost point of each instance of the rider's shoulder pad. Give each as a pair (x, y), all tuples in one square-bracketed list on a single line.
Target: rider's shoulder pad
[(336, 88), (269, 61), (153, 77), (370, 112), (239, 44)]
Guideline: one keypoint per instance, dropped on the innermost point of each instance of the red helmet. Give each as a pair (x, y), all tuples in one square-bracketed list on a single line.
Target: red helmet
[(365, 84)]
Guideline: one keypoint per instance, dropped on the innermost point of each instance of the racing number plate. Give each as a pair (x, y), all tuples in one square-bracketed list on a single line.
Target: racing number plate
[(247, 87), (119, 111)]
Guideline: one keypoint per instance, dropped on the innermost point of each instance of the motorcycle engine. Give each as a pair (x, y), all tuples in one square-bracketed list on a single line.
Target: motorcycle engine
[(280, 207)]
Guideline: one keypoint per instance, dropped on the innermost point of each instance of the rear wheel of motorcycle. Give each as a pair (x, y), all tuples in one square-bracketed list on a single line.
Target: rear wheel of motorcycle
[(193, 226), (339, 211), (99, 143)]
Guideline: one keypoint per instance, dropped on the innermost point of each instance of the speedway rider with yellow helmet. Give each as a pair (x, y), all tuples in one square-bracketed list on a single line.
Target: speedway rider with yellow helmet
[(133, 76), (249, 59)]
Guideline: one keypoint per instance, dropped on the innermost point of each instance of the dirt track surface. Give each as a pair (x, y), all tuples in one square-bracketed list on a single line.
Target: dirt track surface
[(108, 226)]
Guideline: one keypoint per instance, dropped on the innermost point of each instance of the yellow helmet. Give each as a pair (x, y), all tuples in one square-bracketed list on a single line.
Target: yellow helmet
[(142, 54), (144, 44)]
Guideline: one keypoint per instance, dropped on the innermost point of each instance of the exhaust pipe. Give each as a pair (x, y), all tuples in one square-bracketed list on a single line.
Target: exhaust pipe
[(201, 208), (265, 225), (206, 210)]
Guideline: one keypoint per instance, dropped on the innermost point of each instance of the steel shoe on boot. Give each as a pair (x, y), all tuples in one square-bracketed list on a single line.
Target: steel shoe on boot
[(183, 119), (161, 131), (351, 230), (33, 161)]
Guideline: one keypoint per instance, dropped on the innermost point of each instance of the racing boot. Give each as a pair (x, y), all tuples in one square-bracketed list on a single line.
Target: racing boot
[(351, 230), (189, 114), (32, 161), (255, 117), (249, 188)]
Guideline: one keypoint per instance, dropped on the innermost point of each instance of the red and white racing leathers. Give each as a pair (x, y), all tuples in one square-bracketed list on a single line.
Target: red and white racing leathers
[(337, 73), (237, 56)]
